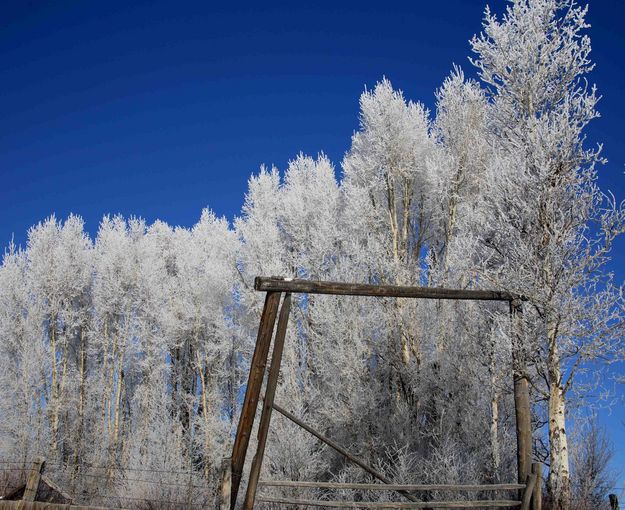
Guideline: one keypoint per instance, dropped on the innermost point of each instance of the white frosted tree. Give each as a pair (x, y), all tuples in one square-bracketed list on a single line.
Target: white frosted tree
[(389, 205), (24, 431), (549, 228), (59, 276), (131, 351)]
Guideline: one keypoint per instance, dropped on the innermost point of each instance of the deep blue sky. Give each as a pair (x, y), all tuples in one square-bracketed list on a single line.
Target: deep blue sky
[(158, 109)]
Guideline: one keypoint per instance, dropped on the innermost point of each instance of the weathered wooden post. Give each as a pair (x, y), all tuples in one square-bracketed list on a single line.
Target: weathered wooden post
[(254, 383), (270, 393), (521, 393), (528, 493), (613, 502), (537, 497), (223, 499), (30, 491)]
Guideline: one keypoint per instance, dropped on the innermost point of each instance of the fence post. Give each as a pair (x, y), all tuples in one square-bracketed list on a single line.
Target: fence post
[(223, 498), (521, 393), (252, 392), (613, 502), (270, 393), (537, 497), (30, 491)]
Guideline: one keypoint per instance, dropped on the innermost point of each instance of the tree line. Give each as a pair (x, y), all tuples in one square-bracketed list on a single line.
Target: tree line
[(131, 349)]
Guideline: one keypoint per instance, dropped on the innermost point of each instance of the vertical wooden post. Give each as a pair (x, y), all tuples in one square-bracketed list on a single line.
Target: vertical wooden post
[(613, 502), (526, 500), (30, 491), (223, 500), (270, 393), (521, 393), (254, 383), (537, 497)]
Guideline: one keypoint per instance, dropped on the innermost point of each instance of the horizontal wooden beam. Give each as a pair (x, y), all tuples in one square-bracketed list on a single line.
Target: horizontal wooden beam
[(393, 487), (37, 505), (392, 504), (275, 284)]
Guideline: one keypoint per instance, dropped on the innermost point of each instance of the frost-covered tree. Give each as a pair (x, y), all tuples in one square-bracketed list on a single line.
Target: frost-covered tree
[(389, 204), (387, 185), (24, 429), (58, 279), (549, 227), (130, 351), (591, 459)]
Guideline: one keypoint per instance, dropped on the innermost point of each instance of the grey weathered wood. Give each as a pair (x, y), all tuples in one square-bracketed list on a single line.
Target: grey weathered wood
[(262, 283), (521, 394), (254, 383), (394, 487), (391, 504), (38, 505), (537, 497), (226, 484), (270, 392), (30, 491), (341, 450), (523, 425), (528, 492)]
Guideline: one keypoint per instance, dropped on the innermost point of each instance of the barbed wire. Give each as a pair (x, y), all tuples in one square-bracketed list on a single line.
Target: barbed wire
[(147, 500), (69, 465), (107, 496), (160, 482)]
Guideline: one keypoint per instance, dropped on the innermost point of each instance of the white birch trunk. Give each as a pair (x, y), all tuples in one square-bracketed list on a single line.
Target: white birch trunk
[(559, 475)]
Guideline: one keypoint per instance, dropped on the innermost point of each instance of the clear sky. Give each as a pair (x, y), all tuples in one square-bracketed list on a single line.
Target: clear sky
[(158, 109)]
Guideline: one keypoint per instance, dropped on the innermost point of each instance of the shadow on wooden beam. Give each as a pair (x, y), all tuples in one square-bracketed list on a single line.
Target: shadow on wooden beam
[(275, 284)]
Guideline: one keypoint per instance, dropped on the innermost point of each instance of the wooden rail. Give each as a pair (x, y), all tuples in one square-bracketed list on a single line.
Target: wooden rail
[(392, 486), (393, 504), (272, 284)]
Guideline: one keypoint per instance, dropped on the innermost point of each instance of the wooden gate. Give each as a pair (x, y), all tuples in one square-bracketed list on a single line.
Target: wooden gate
[(529, 478)]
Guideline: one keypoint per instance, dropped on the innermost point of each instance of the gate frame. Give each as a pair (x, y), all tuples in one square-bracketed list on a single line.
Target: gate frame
[(275, 286)]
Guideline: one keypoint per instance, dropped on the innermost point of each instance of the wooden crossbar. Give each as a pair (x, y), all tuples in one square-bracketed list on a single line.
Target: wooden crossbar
[(392, 487), (393, 504), (272, 284)]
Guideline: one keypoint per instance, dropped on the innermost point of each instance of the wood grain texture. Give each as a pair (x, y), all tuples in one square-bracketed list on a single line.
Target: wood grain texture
[(521, 393), (270, 392), (273, 284), (252, 392), (226, 484), (529, 491), (537, 497), (30, 492)]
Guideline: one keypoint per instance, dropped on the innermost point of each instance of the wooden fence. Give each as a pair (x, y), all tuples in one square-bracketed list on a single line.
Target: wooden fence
[(529, 476)]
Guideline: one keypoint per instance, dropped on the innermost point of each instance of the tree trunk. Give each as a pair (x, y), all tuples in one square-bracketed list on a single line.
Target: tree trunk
[(78, 451), (494, 417), (559, 477), (54, 396)]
